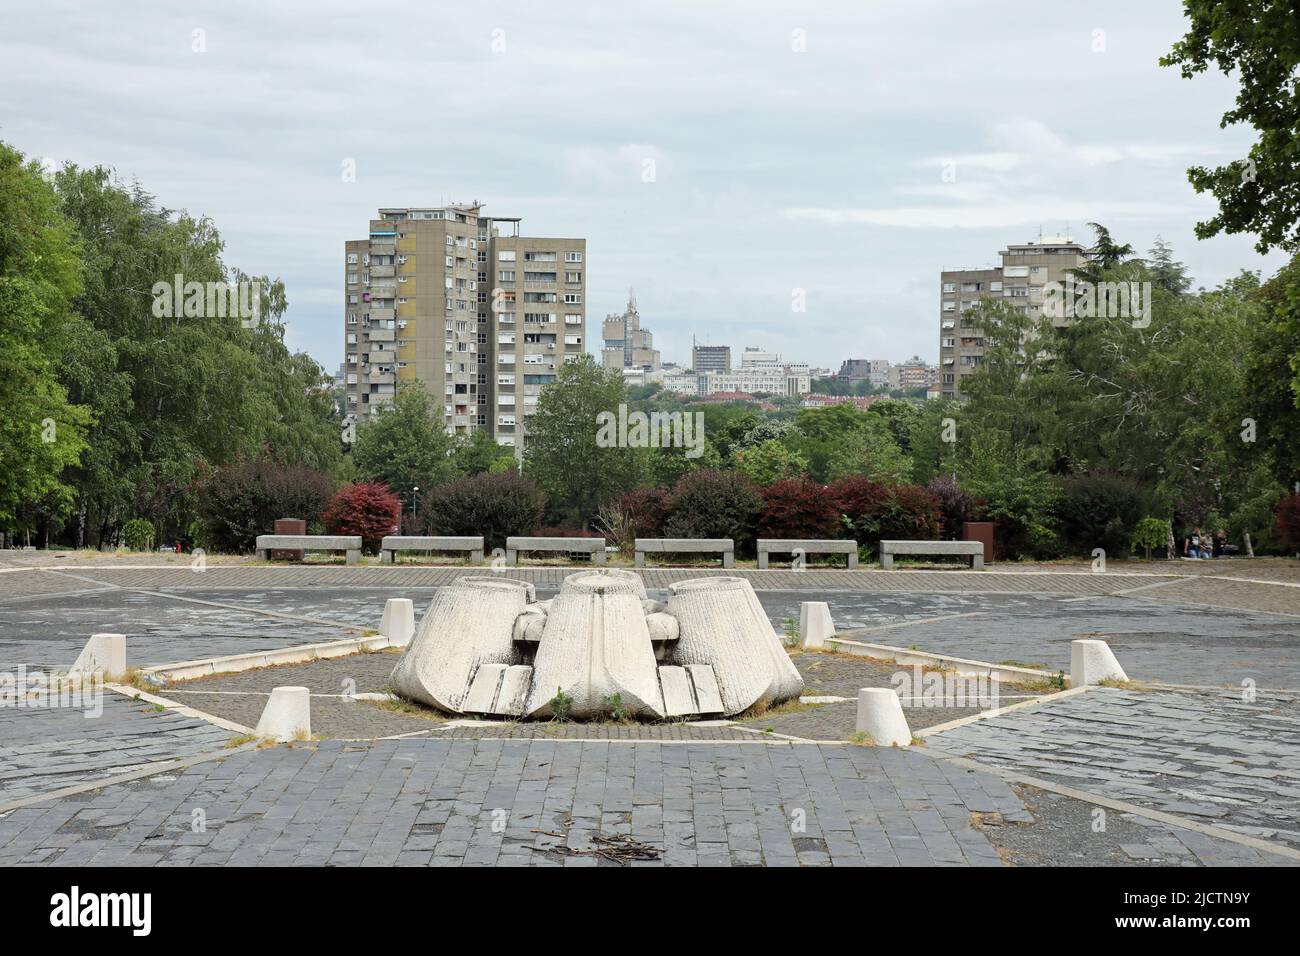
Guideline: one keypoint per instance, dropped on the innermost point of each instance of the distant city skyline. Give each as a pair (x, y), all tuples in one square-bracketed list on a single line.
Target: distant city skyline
[(732, 168)]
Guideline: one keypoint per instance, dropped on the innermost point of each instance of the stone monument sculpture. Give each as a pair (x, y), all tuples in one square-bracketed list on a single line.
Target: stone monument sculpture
[(486, 646)]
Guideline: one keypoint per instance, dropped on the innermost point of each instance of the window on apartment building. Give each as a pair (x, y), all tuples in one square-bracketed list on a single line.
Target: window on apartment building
[(352, 278), (995, 286), (573, 277), (950, 287), (352, 258), (573, 298), (573, 257), (539, 276), (950, 306), (506, 275), (506, 255), (537, 256), (949, 343)]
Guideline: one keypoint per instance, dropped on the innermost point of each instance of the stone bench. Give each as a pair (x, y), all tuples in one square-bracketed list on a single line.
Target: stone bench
[(393, 543), (725, 546), (592, 546), (767, 546), (351, 543), (973, 549)]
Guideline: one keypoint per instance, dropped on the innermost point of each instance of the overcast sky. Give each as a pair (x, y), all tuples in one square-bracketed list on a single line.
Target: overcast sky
[(788, 146)]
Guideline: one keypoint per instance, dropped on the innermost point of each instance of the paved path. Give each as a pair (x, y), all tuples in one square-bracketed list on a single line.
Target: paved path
[(1207, 756), (1154, 640), (426, 802), (43, 749)]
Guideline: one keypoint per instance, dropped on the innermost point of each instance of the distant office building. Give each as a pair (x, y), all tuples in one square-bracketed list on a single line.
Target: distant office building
[(854, 371), (1019, 280), (627, 345), (711, 358)]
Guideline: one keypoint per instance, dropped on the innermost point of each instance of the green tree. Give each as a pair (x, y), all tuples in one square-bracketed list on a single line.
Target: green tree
[(770, 461), (405, 446), (1256, 40), (41, 431), (561, 451)]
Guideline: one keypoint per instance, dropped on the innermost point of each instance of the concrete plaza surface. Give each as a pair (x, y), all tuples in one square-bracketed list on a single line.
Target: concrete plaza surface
[(1182, 776)]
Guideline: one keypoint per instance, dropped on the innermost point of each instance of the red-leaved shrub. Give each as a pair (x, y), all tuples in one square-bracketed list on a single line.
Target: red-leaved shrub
[(1286, 516), (956, 506), (495, 505), (647, 509), (715, 504), (799, 508), (878, 512), (367, 509)]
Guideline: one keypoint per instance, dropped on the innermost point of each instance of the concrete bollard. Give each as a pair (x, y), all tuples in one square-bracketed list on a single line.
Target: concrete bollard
[(105, 653), (1092, 662), (287, 715), (815, 624), (880, 717), (398, 622)]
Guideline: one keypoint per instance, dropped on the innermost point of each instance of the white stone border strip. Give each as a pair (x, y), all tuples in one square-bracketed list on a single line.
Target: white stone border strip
[(298, 654), (186, 711), (997, 712), (962, 666), (162, 766)]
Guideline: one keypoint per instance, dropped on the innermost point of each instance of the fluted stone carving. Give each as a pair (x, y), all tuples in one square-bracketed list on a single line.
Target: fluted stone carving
[(486, 646), (469, 623), (722, 624), (596, 645)]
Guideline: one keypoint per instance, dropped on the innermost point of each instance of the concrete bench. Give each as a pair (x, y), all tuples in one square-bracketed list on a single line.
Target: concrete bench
[(973, 549), (725, 546), (592, 546), (768, 546), (351, 543), (393, 543)]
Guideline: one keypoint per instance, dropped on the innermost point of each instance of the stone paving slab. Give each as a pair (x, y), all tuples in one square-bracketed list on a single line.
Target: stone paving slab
[(1206, 756), (507, 802), (43, 749), (329, 576), (1153, 640)]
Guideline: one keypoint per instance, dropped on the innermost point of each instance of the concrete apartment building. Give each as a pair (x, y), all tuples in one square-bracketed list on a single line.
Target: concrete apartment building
[(1019, 280), (626, 344), (914, 373), (462, 303)]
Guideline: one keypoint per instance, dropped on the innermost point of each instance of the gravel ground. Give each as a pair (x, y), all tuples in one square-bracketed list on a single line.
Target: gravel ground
[(240, 697)]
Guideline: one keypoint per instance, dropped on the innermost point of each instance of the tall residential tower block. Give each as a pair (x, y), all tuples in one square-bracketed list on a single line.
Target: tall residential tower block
[(460, 302)]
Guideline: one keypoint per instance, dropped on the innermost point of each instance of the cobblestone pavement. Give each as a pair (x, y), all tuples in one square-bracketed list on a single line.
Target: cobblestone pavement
[(1202, 755), (43, 749), (1154, 640), (435, 802), (422, 802), (1065, 833), (17, 583)]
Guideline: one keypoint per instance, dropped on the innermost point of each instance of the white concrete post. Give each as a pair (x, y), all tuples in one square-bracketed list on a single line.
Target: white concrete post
[(287, 715), (1092, 662), (398, 622), (815, 624), (105, 653), (880, 717)]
